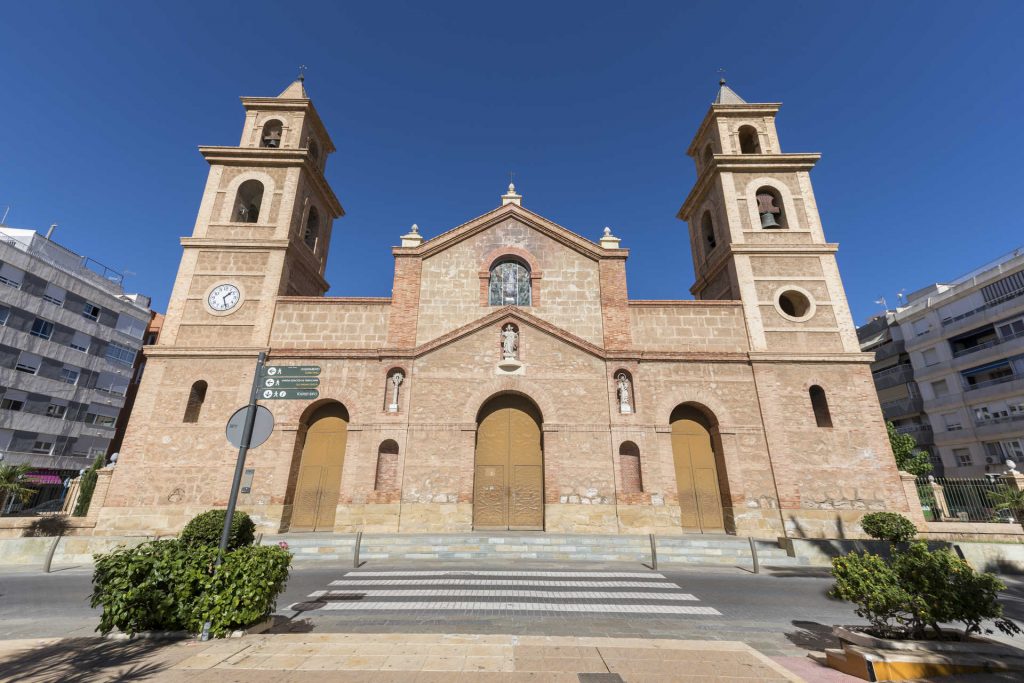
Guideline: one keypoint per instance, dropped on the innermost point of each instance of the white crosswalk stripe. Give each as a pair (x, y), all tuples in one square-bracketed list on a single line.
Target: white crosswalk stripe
[(580, 592)]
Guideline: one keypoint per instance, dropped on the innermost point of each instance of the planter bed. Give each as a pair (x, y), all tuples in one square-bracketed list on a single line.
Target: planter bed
[(881, 659)]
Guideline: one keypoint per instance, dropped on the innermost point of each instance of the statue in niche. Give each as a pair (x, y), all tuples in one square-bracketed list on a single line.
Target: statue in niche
[(509, 342), (624, 393), (396, 381)]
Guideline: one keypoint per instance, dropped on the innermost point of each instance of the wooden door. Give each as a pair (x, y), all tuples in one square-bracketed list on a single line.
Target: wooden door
[(319, 481), (508, 487), (700, 501)]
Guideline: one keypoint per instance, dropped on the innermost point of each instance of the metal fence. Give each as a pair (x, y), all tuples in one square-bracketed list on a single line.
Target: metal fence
[(968, 500)]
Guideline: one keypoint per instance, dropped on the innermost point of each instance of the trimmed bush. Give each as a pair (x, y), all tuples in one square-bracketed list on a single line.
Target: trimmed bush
[(888, 526), (919, 589), (205, 529), (173, 586), (86, 486)]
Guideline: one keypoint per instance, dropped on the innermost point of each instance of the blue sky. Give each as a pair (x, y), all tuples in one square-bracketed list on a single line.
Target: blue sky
[(915, 106)]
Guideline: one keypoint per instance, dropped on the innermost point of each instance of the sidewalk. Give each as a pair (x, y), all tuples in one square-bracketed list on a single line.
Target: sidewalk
[(383, 658)]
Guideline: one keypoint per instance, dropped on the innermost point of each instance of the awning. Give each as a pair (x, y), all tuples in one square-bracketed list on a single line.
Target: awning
[(44, 479)]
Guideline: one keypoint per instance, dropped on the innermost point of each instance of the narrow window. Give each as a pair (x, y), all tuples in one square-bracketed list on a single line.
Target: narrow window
[(196, 397), (312, 228), (314, 152), (749, 143), (707, 228), (820, 405), (271, 136), (247, 204), (509, 284), (769, 208), (629, 466), (387, 466), (709, 156)]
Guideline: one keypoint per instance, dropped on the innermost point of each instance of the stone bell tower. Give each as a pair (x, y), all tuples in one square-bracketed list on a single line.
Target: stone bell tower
[(263, 229), (756, 236)]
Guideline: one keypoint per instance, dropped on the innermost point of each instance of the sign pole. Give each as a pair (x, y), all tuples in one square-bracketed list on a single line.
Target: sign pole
[(236, 482)]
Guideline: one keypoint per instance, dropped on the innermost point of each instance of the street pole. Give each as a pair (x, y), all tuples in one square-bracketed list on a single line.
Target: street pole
[(236, 482)]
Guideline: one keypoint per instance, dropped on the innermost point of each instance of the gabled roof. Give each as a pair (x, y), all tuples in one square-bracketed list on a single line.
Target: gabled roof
[(539, 223)]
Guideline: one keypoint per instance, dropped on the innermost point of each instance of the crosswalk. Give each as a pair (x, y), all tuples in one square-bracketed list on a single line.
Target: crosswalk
[(589, 592)]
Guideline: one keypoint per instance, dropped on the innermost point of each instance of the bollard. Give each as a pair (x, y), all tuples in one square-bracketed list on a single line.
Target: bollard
[(49, 554), (753, 554), (259, 538), (355, 550), (654, 553)]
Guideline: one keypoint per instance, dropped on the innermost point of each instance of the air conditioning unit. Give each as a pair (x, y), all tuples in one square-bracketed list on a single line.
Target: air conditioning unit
[(990, 460)]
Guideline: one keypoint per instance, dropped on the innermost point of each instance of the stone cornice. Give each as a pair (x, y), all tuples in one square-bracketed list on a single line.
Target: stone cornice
[(161, 351), (234, 243), (280, 157), (744, 163), (777, 357), (479, 224), (685, 302), (340, 300)]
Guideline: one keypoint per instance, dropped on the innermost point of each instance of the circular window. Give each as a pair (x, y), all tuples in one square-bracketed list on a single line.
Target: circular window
[(795, 304)]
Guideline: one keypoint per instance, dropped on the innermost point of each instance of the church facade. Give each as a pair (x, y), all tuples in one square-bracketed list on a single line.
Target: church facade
[(509, 382)]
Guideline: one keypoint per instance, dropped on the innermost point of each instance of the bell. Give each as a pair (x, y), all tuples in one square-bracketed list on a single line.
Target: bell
[(768, 220)]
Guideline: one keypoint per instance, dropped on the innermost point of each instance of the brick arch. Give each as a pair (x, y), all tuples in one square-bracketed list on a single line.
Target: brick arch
[(544, 401), (701, 399), (495, 255)]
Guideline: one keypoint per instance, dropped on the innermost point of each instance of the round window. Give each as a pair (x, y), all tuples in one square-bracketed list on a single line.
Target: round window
[(795, 304)]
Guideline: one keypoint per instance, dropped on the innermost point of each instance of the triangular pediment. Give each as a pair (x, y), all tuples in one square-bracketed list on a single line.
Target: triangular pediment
[(535, 221), (509, 314)]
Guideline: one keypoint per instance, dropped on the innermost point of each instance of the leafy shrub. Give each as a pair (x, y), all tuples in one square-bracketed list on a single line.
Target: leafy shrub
[(918, 589), (170, 585), (888, 526), (205, 529)]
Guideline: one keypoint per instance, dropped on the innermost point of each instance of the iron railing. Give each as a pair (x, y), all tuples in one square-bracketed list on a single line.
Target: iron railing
[(989, 344), (946, 499)]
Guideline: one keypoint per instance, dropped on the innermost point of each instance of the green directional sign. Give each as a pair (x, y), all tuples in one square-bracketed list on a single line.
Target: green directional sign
[(289, 382), (291, 370), (285, 394)]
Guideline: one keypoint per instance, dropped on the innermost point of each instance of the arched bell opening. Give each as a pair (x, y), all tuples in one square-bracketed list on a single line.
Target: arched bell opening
[(316, 468), (701, 482), (508, 468)]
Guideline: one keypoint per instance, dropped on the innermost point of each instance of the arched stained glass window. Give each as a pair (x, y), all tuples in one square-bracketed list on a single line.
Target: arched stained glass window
[(510, 284)]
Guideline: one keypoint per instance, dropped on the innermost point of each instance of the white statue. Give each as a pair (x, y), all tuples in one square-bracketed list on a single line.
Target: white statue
[(623, 392), (509, 342), (396, 381)]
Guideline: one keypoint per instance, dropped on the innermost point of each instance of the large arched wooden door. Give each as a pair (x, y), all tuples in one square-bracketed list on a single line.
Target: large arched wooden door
[(508, 485), (700, 500), (319, 481)]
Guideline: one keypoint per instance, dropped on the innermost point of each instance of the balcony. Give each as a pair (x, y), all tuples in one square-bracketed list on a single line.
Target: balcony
[(1000, 426), (890, 377), (902, 407), (987, 345), (922, 433), (990, 383)]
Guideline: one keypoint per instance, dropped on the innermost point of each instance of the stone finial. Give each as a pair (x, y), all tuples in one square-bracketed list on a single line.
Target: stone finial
[(511, 197), (413, 238), (608, 240), (1011, 466)]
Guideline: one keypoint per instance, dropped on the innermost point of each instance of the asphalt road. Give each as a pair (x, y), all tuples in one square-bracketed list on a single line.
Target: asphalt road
[(783, 612)]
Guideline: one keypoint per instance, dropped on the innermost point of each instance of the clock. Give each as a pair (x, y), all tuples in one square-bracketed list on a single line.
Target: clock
[(224, 297)]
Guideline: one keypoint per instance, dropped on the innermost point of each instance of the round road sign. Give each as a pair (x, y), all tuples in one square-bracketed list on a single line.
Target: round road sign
[(261, 428)]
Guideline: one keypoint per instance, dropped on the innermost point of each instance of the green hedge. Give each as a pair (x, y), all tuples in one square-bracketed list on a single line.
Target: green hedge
[(888, 526), (173, 585), (205, 529)]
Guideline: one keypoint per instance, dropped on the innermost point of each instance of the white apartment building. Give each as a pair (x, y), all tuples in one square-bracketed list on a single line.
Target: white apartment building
[(965, 344)]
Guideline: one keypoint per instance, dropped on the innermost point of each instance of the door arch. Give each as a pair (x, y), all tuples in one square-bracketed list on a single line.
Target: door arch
[(697, 470), (319, 480), (508, 473)]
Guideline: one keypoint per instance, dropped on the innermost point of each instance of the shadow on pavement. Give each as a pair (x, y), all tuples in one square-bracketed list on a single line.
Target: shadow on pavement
[(810, 635), (77, 660)]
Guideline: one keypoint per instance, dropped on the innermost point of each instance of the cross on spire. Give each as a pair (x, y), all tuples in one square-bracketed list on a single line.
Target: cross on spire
[(302, 72)]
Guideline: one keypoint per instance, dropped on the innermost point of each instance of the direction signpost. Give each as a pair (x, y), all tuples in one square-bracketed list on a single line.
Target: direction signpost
[(272, 394), (289, 382), (291, 371)]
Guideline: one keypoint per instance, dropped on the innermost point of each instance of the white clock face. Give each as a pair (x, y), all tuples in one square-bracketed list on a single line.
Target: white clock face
[(224, 297)]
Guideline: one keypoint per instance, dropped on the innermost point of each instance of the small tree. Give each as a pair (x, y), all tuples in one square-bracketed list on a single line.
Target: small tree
[(87, 486), (888, 526), (904, 449), (1009, 499), (14, 484)]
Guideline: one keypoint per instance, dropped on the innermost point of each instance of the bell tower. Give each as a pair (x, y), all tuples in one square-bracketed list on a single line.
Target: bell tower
[(755, 233), (263, 229)]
